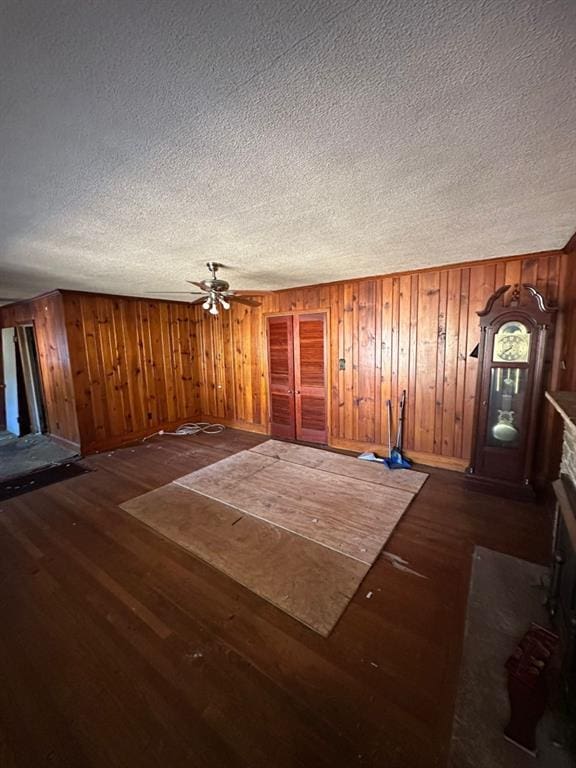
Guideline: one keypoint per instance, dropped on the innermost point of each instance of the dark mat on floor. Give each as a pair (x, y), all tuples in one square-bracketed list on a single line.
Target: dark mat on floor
[(506, 595), (34, 480), (21, 456)]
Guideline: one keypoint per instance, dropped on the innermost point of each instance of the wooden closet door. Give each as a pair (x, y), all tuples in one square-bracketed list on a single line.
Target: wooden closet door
[(310, 377), (281, 376)]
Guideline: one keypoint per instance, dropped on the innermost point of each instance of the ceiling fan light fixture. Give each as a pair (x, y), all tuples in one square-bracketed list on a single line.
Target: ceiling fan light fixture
[(215, 293)]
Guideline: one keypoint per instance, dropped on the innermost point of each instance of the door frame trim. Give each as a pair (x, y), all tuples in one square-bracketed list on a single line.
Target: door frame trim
[(327, 360)]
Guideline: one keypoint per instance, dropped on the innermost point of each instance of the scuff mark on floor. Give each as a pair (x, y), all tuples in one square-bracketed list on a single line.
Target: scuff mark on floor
[(401, 565)]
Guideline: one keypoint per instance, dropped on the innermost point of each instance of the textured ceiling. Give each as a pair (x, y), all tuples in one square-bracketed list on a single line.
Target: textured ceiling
[(296, 142)]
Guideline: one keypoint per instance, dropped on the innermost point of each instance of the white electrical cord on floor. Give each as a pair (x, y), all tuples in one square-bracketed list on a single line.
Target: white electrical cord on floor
[(191, 428)]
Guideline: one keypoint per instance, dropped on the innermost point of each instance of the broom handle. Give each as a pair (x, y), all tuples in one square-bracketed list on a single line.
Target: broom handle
[(389, 406), (400, 439)]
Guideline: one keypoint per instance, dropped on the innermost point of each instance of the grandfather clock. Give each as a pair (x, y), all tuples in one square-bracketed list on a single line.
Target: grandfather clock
[(509, 390)]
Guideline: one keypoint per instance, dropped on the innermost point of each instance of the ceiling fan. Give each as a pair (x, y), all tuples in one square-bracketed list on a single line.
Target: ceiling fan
[(215, 293)]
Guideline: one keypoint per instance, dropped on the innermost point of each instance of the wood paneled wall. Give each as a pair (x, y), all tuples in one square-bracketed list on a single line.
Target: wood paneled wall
[(115, 369), (232, 367), (133, 365), (411, 331), (46, 313), (567, 354)]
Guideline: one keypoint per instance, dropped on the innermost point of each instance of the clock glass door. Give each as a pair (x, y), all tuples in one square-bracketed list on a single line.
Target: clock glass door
[(508, 390), (505, 406)]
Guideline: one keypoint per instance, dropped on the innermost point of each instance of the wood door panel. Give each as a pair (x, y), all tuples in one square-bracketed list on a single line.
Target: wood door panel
[(310, 377), (282, 409), (281, 373), (311, 346), (280, 349), (312, 421)]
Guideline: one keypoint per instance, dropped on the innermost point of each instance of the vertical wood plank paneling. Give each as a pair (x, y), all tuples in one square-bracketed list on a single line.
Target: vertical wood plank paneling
[(513, 273), (440, 362), (365, 359), (482, 285), (349, 373), (551, 286), (228, 385), (387, 324), (135, 366), (412, 383), (405, 337), (100, 424), (355, 356), (257, 368), (451, 362), (567, 352), (467, 340), (423, 376), (395, 336), (377, 324), (335, 354)]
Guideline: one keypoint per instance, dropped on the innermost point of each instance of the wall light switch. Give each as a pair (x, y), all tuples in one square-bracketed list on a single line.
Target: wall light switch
[(341, 364)]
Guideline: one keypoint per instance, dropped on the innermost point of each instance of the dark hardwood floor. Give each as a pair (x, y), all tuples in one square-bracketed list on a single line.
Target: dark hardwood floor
[(117, 648)]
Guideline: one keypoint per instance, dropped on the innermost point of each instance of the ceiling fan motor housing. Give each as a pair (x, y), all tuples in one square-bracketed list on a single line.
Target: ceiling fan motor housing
[(215, 285)]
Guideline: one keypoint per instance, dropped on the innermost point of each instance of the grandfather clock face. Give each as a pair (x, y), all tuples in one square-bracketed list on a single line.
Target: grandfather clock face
[(511, 343)]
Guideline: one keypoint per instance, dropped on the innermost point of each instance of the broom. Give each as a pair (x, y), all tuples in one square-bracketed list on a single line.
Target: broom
[(397, 460)]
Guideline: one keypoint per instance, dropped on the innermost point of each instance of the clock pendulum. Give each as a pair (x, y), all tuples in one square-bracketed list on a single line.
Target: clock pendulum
[(504, 429)]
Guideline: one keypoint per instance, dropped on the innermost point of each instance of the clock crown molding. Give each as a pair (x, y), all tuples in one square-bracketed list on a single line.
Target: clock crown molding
[(497, 298)]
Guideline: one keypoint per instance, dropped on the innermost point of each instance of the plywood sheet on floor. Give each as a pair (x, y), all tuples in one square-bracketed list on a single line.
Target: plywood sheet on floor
[(310, 582), (346, 466), (344, 514)]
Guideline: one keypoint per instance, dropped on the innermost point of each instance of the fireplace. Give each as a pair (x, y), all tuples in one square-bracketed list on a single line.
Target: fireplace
[(562, 594)]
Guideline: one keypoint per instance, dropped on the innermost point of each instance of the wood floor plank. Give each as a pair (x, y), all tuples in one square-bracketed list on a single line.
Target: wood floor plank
[(104, 640), (342, 465), (347, 515)]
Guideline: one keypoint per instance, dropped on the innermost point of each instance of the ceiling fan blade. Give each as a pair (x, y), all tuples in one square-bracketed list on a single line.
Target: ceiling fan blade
[(187, 293), (250, 293), (198, 285), (244, 300)]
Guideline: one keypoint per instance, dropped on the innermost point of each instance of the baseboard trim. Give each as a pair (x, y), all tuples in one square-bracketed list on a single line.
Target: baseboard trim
[(429, 459), (64, 442), (122, 441), (245, 426)]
